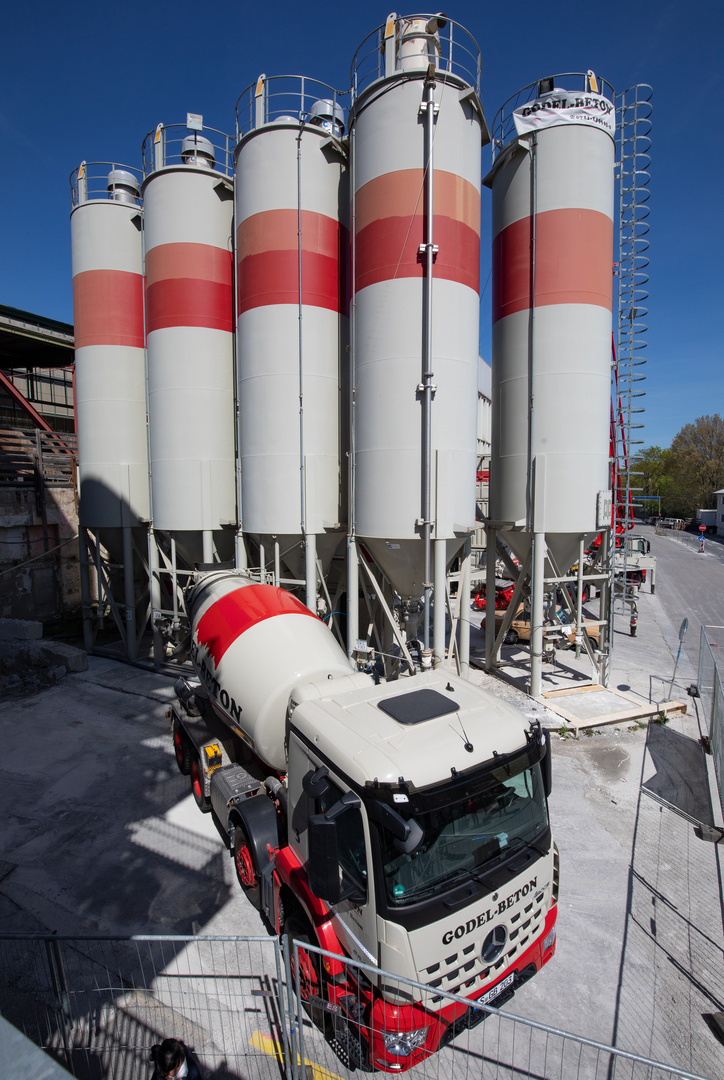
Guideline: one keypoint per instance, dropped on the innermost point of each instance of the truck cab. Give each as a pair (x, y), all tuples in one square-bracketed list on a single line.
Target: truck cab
[(419, 817)]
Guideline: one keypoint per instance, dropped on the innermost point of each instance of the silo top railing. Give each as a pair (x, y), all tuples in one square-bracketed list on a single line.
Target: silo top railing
[(277, 98), (105, 180), (459, 54), (581, 83), (179, 144)]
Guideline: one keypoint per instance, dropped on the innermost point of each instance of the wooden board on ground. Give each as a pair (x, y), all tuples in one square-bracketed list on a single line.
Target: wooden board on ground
[(594, 705)]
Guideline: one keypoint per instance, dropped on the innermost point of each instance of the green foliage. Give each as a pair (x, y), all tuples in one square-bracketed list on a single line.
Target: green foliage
[(689, 472)]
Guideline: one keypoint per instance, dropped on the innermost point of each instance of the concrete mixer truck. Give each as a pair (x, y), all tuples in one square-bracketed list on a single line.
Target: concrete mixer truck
[(402, 825)]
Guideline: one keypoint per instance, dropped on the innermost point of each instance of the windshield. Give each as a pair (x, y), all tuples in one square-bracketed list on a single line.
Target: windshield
[(465, 838)]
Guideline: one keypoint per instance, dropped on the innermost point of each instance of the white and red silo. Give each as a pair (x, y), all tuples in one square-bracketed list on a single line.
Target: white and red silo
[(110, 383), (416, 132), (188, 201), (553, 193), (291, 200), (552, 299)]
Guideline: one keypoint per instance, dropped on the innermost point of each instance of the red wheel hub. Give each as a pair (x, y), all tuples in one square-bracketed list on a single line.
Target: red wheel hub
[(178, 746), (308, 977), (245, 867), (196, 779)]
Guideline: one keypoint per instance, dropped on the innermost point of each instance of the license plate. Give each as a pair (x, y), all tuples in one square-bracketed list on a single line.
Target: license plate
[(491, 994)]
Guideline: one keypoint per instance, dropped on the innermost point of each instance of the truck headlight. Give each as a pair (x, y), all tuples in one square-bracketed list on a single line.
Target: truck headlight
[(402, 1043), (549, 939)]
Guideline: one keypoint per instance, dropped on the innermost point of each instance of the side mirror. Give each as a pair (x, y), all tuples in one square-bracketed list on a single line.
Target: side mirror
[(546, 764), (323, 865), (314, 784)]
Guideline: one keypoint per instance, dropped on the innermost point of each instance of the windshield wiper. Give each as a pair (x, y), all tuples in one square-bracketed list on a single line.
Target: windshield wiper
[(438, 885)]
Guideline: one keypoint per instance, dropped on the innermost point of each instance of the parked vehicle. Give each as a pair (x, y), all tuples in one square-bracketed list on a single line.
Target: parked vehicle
[(404, 825)]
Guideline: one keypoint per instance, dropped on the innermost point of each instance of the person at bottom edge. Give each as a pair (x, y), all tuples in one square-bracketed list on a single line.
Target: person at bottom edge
[(173, 1060)]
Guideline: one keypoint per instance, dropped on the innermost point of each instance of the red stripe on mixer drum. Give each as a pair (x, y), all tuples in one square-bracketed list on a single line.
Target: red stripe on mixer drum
[(189, 285), (573, 261), (390, 217), (232, 614), (108, 308), (267, 247)]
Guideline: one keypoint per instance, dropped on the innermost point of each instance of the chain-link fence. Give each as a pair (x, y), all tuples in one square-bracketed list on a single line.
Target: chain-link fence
[(98, 1005), (712, 698)]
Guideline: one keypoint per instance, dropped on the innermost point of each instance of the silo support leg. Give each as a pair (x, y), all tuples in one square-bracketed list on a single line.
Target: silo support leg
[(464, 609), (129, 597), (310, 571), (536, 615), (352, 596), (438, 615)]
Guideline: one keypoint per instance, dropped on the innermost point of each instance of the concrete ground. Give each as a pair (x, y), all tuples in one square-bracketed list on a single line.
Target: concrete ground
[(102, 836)]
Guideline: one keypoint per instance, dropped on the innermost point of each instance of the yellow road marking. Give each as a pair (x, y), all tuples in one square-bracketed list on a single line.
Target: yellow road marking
[(268, 1045)]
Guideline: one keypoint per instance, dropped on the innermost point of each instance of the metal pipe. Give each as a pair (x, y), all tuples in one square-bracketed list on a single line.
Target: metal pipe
[(352, 563), (536, 614), (427, 387), (129, 594), (277, 563), (262, 563), (464, 607), (438, 622), (302, 478), (531, 338), (207, 546)]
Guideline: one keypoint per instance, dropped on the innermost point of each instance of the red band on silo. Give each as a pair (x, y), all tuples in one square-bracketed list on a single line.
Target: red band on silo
[(390, 219), (573, 262), (189, 285), (108, 308), (267, 248), (232, 615)]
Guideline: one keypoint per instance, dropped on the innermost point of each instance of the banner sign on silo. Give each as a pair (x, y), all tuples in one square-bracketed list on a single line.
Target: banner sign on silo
[(563, 107)]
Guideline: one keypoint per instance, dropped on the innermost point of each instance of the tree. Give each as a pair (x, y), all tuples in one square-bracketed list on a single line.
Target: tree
[(651, 467), (697, 463)]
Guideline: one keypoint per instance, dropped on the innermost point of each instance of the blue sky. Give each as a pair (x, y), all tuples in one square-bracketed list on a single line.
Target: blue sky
[(88, 81)]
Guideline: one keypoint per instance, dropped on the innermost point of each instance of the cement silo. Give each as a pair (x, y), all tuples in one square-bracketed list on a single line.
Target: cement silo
[(553, 191), (110, 383), (416, 131), (291, 208), (188, 200), (552, 297)]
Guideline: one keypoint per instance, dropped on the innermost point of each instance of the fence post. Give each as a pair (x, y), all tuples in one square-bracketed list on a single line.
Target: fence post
[(60, 990), (294, 1009)]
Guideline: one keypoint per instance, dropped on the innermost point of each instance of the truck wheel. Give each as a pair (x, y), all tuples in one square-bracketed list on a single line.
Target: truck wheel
[(197, 786), (244, 864), (308, 975), (182, 749), (511, 638)]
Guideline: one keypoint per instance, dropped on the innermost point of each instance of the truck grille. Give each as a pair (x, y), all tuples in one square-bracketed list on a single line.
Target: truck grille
[(463, 972)]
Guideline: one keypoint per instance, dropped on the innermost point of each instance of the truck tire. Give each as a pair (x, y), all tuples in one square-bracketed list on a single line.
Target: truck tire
[(244, 865), (197, 785), (310, 974), (182, 749)]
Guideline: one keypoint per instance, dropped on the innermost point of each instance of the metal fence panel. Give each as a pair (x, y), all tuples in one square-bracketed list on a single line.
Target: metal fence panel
[(488, 1042), (712, 697), (98, 1005)]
